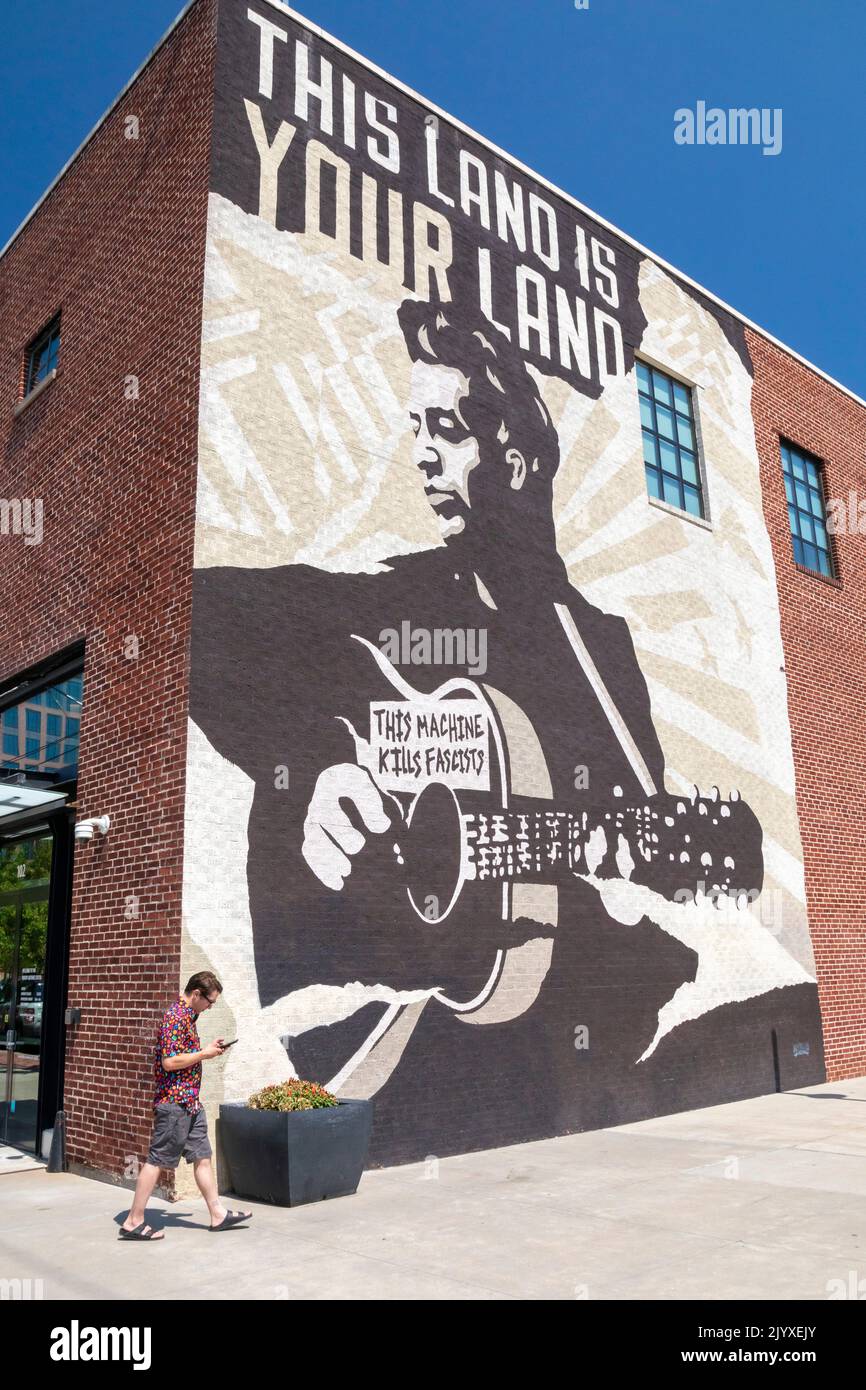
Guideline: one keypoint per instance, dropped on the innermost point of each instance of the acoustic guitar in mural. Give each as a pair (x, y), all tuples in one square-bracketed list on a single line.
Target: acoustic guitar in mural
[(488, 821)]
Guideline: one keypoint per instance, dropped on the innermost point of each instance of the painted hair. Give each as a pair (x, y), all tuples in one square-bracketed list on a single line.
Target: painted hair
[(503, 407)]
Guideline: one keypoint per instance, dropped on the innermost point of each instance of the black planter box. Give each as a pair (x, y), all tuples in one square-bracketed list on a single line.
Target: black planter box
[(290, 1157)]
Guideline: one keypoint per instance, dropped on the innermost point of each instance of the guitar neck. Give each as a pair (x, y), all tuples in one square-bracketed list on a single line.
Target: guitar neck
[(665, 838)]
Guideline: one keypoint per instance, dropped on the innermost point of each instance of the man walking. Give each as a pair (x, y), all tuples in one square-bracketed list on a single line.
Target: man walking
[(180, 1123)]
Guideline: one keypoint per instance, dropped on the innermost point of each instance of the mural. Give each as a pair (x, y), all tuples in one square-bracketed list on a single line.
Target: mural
[(456, 680)]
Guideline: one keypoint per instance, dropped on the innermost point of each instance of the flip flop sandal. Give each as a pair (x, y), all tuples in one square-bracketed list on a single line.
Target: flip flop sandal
[(138, 1233), (231, 1218)]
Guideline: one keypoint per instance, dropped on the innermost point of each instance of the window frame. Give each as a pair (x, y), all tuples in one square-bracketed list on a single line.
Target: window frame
[(785, 442), (692, 387), (68, 665), (49, 337)]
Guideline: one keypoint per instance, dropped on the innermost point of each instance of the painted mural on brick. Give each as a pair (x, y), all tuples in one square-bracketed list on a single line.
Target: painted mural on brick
[(490, 785)]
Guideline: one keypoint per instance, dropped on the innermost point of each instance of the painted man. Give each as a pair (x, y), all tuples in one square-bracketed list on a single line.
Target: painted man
[(522, 1008)]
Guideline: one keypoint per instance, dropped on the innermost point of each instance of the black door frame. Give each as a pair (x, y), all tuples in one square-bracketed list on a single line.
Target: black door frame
[(61, 821), (17, 899), (55, 979)]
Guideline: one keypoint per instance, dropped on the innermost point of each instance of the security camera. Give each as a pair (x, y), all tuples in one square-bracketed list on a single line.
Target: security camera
[(84, 828)]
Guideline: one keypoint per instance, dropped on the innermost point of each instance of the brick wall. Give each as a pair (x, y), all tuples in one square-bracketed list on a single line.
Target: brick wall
[(119, 248), (823, 630)]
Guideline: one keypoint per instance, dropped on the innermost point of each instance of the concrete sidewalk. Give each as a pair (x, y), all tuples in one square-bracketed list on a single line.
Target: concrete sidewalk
[(764, 1198)]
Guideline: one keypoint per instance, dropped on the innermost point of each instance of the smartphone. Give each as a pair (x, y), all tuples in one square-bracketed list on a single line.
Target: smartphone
[(230, 1044)]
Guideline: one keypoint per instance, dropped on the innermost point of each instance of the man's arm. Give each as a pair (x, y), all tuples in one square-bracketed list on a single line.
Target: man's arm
[(174, 1039), (179, 1061)]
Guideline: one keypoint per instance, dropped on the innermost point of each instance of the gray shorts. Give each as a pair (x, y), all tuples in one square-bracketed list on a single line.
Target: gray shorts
[(176, 1132)]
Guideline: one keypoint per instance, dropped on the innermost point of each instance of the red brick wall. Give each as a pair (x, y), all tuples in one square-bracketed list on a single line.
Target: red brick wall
[(119, 247), (823, 631)]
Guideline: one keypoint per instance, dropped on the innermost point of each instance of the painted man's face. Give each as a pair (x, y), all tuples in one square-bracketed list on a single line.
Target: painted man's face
[(444, 449)]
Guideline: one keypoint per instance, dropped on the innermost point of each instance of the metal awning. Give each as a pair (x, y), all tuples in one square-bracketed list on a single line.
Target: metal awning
[(15, 798)]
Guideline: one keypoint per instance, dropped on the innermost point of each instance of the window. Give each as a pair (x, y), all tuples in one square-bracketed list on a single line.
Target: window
[(40, 735), (806, 511), (66, 696), (41, 356), (670, 450)]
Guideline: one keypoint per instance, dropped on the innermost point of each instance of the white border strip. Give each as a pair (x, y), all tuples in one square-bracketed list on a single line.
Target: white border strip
[(482, 140), (614, 718)]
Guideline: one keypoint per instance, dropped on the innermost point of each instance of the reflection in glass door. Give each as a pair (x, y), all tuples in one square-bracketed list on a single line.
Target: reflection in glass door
[(23, 930), (8, 944)]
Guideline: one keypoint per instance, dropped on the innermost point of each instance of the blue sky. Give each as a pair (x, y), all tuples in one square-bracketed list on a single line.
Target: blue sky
[(586, 98)]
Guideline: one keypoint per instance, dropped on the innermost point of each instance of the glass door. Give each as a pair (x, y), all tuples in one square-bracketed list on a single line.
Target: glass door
[(23, 931)]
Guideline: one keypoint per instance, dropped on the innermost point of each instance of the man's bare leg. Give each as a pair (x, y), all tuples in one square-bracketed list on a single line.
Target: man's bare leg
[(204, 1175), (143, 1189)]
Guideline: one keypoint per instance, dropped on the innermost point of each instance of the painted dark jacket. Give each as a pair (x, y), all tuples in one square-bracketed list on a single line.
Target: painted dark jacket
[(274, 674)]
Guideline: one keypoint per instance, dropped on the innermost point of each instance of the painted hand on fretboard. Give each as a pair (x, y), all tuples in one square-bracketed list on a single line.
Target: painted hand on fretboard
[(668, 843)]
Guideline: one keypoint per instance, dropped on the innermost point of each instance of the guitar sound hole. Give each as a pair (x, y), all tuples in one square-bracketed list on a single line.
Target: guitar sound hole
[(431, 849)]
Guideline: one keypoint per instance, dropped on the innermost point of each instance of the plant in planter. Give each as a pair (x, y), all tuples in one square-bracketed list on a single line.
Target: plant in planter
[(292, 1095), (295, 1142)]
